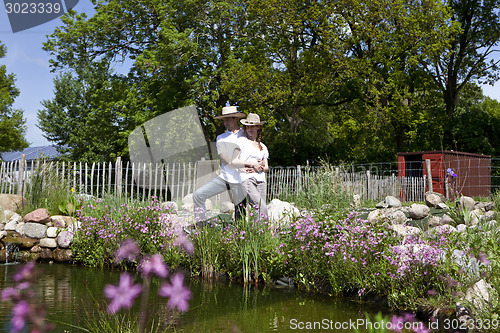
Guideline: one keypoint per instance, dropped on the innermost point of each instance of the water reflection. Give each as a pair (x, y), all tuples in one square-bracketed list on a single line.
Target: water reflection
[(67, 291)]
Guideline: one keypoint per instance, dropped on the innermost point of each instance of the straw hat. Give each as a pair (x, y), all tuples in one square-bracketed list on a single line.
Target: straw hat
[(230, 111), (251, 120)]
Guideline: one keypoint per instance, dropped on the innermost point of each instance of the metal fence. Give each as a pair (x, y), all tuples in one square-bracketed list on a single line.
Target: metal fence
[(176, 180)]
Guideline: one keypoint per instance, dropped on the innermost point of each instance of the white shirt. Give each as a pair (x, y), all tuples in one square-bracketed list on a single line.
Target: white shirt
[(227, 143), (251, 152)]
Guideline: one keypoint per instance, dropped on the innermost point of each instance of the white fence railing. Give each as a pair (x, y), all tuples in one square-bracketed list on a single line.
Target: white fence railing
[(176, 180)]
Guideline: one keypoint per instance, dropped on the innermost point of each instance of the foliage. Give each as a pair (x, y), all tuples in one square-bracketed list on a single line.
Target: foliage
[(349, 80), (48, 190), (88, 108), (467, 56), (12, 124), (104, 226), (323, 191)]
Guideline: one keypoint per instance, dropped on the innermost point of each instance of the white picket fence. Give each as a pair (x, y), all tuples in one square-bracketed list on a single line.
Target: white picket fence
[(174, 181)]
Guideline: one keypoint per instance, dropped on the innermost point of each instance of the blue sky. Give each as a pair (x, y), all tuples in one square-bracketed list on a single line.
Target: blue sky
[(30, 64)]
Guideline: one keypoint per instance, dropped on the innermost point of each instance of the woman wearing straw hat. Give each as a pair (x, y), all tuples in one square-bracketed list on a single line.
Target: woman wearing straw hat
[(255, 152)]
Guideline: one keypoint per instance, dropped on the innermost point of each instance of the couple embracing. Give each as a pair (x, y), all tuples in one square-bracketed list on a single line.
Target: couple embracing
[(243, 165)]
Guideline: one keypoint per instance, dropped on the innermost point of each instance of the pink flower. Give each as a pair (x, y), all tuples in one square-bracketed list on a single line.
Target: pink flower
[(19, 314), (25, 272), (153, 264), (183, 241), (123, 295), (177, 293), (128, 250)]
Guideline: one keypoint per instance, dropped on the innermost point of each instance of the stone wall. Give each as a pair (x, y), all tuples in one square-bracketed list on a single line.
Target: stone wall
[(35, 237)]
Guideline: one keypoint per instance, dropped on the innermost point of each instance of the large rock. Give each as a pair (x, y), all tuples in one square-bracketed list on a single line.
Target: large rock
[(281, 212), (466, 203), (35, 230), (433, 199), (11, 201), (48, 242), (396, 217), (405, 230), (392, 202), (374, 215), (64, 239), (62, 255), (40, 215), (479, 295), (52, 232), (61, 221), (227, 207), (419, 211), (188, 199)]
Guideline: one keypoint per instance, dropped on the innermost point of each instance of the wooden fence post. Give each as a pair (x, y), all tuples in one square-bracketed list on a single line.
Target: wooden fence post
[(429, 175), (20, 183)]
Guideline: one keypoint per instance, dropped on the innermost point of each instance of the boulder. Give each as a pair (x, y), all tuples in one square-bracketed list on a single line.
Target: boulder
[(446, 219), (62, 255), (466, 203), (374, 215), (392, 202), (433, 199), (11, 201), (419, 211), (227, 207), (52, 232), (20, 228), (48, 242), (433, 221), (479, 295), (61, 221), (64, 239), (40, 215), (188, 199), (405, 230), (15, 218), (281, 212), (397, 217), (35, 230)]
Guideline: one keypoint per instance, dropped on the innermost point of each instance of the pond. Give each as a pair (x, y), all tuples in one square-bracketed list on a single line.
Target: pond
[(70, 291)]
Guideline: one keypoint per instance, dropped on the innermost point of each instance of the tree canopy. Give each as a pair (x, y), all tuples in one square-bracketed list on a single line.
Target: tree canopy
[(12, 124), (349, 80)]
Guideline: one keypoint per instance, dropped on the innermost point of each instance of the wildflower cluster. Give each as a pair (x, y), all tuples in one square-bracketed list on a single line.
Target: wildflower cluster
[(104, 226)]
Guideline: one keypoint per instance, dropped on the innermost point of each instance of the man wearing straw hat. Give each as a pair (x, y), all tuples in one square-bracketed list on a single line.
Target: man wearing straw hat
[(229, 177)]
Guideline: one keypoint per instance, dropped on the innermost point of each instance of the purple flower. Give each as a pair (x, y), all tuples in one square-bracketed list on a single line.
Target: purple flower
[(483, 257), (451, 172), (177, 293), (128, 250), (20, 312), (123, 295), (183, 241), (25, 272), (153, 264), (9, 293)]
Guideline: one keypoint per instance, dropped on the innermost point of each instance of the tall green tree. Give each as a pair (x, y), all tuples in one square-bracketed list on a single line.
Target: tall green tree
[(12, 124), (470, 55), (88, 115)]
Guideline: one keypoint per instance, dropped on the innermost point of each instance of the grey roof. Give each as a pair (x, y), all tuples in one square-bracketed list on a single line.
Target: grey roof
[(32, 153)]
